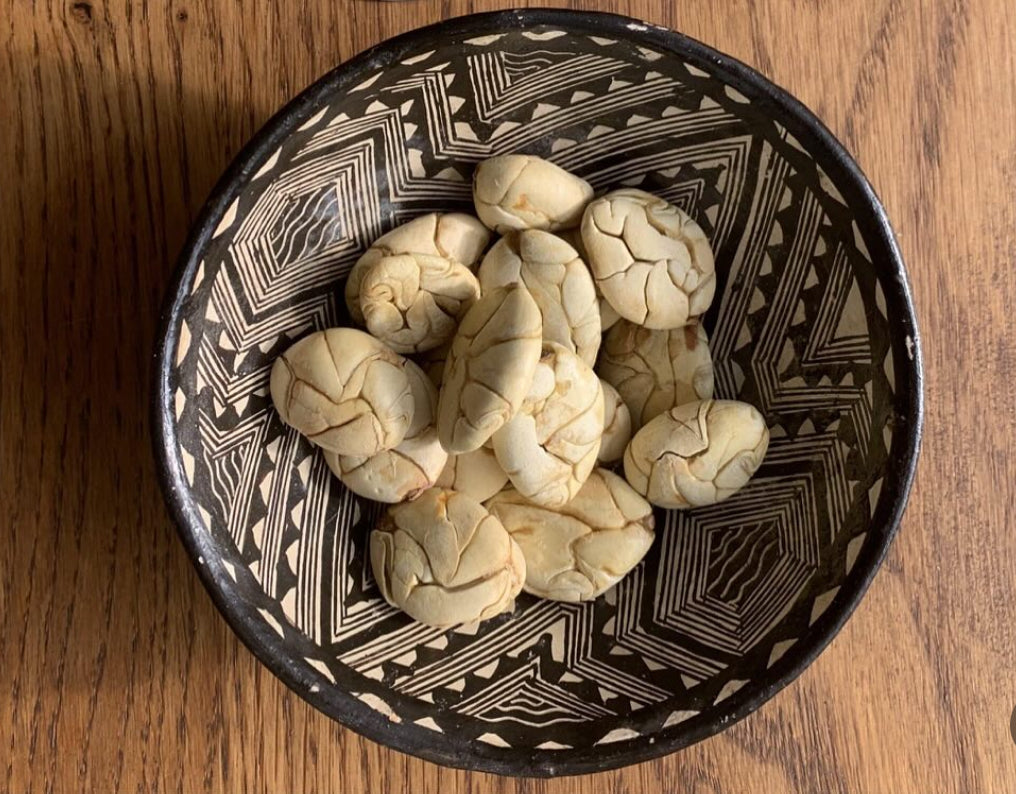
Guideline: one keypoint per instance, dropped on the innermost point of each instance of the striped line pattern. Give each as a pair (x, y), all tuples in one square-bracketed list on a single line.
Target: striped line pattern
[(726, 589)]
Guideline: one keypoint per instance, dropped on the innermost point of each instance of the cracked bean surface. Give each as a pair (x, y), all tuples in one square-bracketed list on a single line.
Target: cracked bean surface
[(550, 446), (402, 473), (559, 282), (608, 315), (578, 551), (520, 191), (489, 367), (413, 302), (655, 370), (345, 391), (651, 261), (696, 454), (454, 236), (444, 559)]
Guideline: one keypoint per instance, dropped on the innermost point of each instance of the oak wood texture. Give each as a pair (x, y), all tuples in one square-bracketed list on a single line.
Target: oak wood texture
[(116, 672)]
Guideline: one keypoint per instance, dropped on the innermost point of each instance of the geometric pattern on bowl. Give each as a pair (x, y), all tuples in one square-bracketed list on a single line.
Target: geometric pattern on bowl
[(800, 328)]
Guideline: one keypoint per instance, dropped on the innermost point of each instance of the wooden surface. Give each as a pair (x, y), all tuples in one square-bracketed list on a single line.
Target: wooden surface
[(116, 672)]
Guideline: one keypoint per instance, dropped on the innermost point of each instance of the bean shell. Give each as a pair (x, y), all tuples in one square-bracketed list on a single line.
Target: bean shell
[(489, 367), (559, 282), (413, 302), (519, 191), (656, 370), (578, 551), (454, 236), (696, 454), (444, 559), (608, 315), (395, 475), (550, 446), (344, 390), (651, 261)]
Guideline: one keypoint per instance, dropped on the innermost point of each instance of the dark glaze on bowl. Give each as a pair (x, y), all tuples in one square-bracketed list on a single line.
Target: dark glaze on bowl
[(812, 323)]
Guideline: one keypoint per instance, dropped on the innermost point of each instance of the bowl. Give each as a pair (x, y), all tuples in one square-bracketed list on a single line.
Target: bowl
[(813, 324)]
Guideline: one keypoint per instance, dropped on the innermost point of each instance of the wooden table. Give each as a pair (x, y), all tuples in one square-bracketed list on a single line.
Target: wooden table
[(116, 672)]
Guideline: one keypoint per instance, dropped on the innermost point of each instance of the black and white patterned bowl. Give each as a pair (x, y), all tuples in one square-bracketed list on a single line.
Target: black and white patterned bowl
[(813, 324)]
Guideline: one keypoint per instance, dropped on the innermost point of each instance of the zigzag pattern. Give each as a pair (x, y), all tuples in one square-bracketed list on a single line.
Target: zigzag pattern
[(837, 333), (232, 456), (659, 647), (525, 696), (503, 82), (739, 569), (792, 333)]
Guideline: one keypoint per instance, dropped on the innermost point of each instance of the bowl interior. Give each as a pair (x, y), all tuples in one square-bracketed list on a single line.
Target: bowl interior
[(811, 324)]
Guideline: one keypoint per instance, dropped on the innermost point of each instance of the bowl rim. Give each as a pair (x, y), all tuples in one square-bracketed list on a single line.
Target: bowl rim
[(901, 463)]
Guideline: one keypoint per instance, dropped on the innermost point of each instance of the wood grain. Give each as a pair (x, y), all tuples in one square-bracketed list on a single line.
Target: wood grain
[(116, 672)]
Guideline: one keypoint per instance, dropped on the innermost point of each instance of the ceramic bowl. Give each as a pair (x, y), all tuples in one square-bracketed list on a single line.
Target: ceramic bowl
[(813, 324)]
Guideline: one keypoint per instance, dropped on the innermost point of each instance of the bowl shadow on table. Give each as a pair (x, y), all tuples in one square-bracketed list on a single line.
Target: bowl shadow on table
[(126, 598), (151, 158), (113, 173)]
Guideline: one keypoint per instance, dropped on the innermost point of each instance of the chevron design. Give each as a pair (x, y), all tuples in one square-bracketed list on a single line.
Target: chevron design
[(525, 696), (798, 329)]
